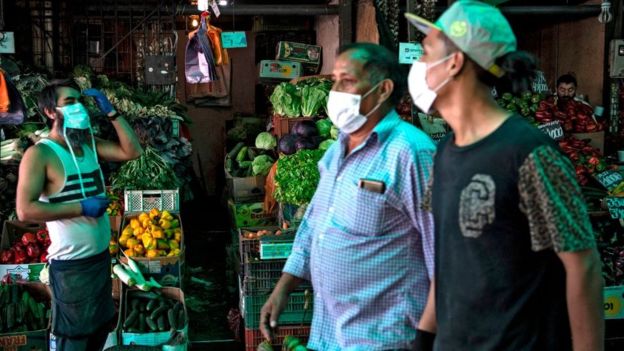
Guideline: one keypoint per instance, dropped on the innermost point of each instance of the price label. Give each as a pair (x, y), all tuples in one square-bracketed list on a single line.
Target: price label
[(409, 52), (610, 179), (616, 207), (552, 129), (215, 8), (614, 302), (7, 43), (154, 267), (232, 40)]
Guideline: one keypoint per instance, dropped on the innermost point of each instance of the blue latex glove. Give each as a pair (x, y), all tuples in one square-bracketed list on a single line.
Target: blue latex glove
[(94, 206), (100, 99)]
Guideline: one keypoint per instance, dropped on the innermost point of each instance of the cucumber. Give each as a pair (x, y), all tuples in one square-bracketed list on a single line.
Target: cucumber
[(151, 305), (145, 295), (10, 316), (161, 323), (232, 154), (157, 312), (14, 293), (4, 296), (151, 324), (132, 318), (142, 323), (251, 153), (19, 313), (242, 154), (134, 304), (41, 312), (181, 319), (172, 319)]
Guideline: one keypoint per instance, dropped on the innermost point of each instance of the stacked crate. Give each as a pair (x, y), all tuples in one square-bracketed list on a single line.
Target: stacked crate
[(262, 259)]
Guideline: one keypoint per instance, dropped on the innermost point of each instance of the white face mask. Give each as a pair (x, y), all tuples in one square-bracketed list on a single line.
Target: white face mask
[(343, 110), (422, 95), (75, 116)]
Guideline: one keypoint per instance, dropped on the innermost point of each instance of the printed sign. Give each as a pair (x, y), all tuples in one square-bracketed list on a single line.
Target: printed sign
[(616, 207), (409, 52), (553, 129), (610, 179), (614, 302), (7, 43), (232, 40)]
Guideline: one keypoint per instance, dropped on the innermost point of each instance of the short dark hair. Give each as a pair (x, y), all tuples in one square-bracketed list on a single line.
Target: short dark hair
[(520, 70), (567, 78), (380, 63), (48, 96)]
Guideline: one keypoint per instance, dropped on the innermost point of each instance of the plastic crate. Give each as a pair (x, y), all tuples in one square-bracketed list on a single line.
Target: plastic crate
[(253, 337), (145, 200), (283, 125), (297, 311), (250, 248)]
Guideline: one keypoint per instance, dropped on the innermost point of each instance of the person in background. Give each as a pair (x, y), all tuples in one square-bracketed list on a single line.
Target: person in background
[(566, 90), (364, 242), (516, 262), (61, 183)]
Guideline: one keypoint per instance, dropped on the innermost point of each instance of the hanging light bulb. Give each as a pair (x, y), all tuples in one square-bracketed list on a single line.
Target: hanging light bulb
[(223, 2), (194, 21), (605, 12)]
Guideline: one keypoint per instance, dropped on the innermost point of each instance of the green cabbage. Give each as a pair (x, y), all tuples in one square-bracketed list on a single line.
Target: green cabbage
[(324, 127), (261, 165), (286, 100), (266, 141)]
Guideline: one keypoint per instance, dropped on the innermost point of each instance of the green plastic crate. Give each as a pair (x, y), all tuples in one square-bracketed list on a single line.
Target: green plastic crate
[(297, 311)]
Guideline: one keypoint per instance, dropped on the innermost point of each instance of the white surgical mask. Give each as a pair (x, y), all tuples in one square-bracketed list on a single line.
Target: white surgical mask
[(75, 116), (422, 95), (343, 110)]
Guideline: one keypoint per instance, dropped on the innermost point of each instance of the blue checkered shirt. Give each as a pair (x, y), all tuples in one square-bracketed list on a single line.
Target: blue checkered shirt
[(368, 255)]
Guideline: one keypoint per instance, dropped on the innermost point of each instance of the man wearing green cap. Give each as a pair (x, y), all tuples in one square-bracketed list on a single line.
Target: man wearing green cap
[(516, 262)]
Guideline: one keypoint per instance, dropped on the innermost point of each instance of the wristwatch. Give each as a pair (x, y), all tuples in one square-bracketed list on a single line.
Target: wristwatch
[(113, 117)]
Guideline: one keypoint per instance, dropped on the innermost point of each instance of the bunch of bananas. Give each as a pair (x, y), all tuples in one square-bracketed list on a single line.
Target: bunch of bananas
[(152, 234)]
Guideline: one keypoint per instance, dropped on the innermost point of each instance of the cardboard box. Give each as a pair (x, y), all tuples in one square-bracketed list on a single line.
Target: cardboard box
[(30, 340), (157, 338), (273, 69), (298, 52), (596, 139), (614, 302), (250, 215), (243, 189), (11, 232)]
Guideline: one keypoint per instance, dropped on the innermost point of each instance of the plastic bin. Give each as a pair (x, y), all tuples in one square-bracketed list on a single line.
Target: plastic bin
[(253, 337)]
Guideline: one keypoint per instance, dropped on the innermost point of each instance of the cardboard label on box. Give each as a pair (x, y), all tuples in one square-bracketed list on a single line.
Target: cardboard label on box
[(250, 215), (299, 52), (280, 69)]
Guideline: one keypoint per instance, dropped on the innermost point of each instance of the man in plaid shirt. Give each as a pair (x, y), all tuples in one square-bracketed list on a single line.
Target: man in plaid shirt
[(364, 243)]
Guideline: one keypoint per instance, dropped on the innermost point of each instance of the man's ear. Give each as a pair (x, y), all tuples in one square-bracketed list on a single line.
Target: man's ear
[(385, 89), (50, 113), (456, 63)]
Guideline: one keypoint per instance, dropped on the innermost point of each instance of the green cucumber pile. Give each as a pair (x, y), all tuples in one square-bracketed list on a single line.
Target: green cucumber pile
[(20, 312), (148, 312)]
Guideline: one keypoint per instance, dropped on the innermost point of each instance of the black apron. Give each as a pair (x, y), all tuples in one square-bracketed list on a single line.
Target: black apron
[(82, 299)]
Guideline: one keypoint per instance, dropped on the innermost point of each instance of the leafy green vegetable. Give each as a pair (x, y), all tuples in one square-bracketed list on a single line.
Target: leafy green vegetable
[(334, 132), (261, 165), (326, 144), (286, 100), (324, 127), (297, 177), (313, 100), (266, 141), (148, 172)]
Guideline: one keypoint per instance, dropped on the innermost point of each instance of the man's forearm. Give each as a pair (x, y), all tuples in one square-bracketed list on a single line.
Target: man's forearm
[(128, 140), (585, 305), (38, 211), (288, 283), (428, 320)]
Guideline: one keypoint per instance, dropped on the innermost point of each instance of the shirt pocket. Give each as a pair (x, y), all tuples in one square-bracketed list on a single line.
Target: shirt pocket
[(361, 212)]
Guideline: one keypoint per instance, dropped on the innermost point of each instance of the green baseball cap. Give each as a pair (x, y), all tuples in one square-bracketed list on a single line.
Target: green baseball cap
[(478, 29)]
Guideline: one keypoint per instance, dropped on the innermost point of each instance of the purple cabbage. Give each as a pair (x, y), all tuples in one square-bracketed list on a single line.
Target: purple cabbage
[(306, 129), (287, 144)]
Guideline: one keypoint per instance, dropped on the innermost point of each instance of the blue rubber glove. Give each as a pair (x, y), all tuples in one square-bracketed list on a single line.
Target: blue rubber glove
[(94, 206), (100, 99)]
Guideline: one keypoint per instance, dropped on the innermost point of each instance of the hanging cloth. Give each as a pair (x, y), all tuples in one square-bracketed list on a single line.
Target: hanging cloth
[(220, 54), (199, 59), (16, 111)]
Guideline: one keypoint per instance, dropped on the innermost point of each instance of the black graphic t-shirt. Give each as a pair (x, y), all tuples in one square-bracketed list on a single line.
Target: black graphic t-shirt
[(503, 208)]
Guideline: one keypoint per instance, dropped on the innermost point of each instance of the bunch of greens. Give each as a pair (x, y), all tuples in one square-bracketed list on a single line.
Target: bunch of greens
[(245, 161), (297, 177), (148, 172), (314, 95), (286, 100), (29, 86)]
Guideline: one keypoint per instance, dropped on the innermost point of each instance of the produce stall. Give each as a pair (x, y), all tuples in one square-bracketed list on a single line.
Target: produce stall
[(233, 128)]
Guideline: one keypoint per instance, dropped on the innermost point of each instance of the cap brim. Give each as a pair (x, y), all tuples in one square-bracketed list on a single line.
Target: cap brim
[(421, 23)]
